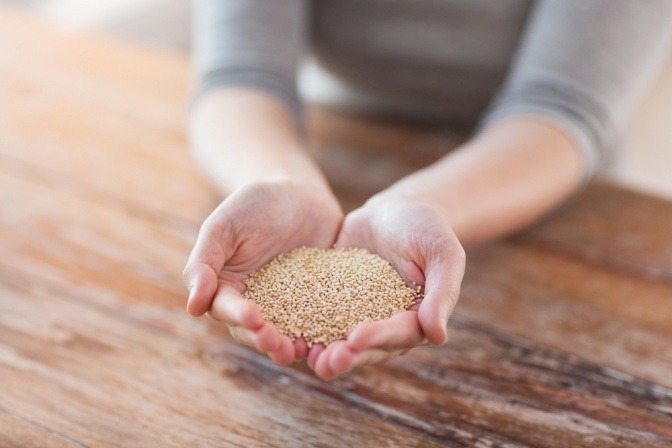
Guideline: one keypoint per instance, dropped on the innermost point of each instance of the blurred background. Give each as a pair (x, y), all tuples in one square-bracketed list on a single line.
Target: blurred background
[(645, 163)]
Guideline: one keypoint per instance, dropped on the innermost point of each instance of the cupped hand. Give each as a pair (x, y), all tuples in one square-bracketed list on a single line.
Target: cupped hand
[(421, 246), (247, 230)]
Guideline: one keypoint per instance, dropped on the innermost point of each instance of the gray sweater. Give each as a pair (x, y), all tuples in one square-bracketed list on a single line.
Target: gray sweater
[(580, 64)]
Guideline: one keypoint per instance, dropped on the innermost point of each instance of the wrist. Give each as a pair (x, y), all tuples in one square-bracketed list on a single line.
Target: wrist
[(242, 136), (394, 196), (299, 186), (231, 167), (505, 178)]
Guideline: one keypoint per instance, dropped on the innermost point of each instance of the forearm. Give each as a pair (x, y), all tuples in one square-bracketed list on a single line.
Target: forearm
[(505, 178), (241, 136)]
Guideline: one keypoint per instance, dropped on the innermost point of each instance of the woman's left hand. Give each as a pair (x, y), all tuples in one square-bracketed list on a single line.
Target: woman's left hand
[(421, 246)]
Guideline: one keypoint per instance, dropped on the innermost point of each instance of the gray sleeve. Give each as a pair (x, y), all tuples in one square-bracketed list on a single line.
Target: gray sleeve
[(250, 43), (582, 64)]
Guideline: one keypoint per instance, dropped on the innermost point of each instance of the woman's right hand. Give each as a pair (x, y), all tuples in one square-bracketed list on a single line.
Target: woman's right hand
[(249, 228)]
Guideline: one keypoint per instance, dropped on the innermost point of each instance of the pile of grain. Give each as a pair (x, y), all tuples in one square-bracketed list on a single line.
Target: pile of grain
[(323, 294)]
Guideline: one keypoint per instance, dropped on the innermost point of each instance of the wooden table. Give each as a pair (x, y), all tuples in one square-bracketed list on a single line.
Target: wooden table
[(562, 337)]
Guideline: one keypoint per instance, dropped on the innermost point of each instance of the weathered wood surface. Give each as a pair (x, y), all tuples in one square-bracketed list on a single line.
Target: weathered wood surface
[(636, 241), (17, 432), (561, 339)]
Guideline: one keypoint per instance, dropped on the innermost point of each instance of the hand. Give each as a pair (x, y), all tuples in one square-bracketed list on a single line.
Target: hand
[(420, 245), (251, 227)]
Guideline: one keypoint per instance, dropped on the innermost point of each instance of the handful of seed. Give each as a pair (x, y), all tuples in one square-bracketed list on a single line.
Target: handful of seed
[(323, 294)]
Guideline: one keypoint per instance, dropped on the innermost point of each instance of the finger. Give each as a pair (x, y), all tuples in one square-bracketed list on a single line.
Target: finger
[(230, 308), (341, 357), (352, 230), (266, 339), (205, 262), (300, 349), (284, 354), (314, 353), (322, 368), (442, 289), (400, 331), (201, 280)]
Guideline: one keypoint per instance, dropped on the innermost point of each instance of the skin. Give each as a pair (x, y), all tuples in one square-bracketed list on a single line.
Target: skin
[(506, 177), (277, 200)]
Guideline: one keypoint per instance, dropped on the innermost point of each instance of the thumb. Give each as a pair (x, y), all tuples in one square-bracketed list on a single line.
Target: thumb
[(442, 289), (354, 231), (205, 262)]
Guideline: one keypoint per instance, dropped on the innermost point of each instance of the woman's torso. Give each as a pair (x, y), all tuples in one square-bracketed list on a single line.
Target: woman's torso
[(433, 59)]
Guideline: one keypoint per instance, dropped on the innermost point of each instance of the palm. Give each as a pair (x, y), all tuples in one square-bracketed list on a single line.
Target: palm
[(421, 247), (271, 221), (403, 235), (245, 232)]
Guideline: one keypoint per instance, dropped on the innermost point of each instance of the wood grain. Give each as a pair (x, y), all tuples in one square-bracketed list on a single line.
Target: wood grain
[(401, 393), (19, 432), (597, 313), (73, 108), (166, 385), (561, 337), (362, 155), (486, 387), (614, 227)]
